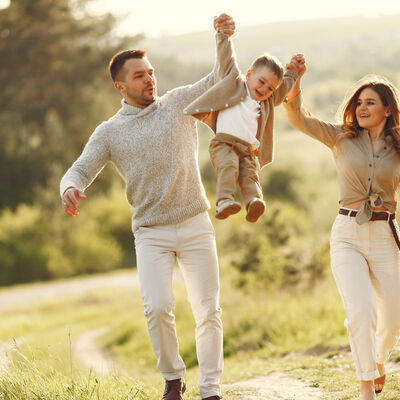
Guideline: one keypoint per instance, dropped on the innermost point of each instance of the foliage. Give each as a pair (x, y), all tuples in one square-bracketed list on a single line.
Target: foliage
[(275, 253), (52, 64), (39, 245)]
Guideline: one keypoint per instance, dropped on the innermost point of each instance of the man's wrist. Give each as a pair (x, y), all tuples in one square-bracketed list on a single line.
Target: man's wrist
[(69, 187)]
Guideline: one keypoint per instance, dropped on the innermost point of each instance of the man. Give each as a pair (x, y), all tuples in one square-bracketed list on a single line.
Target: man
[(154, 144)]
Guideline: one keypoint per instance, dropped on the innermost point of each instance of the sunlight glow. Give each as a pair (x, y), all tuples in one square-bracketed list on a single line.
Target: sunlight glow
[(4, 4), (160, 17)]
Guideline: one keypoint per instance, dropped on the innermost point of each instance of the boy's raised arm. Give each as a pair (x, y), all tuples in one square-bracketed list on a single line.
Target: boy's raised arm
[(290, 78), (226, 57), (224, 63)]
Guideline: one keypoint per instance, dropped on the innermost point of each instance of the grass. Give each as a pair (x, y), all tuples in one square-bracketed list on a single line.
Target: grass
[(30, 383), (300, 333)]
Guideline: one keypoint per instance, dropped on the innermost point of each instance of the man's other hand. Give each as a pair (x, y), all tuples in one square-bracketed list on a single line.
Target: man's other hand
[(70, 201), (224, 23)]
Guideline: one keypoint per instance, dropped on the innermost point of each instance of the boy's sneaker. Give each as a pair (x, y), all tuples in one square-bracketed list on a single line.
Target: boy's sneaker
[(255, 209), (226, 207)]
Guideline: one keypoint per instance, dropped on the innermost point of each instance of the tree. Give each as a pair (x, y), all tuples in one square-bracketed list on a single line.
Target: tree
[(54, 64)]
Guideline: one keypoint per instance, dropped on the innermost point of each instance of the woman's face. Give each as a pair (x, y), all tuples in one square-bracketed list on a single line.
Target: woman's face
[(370, 111)]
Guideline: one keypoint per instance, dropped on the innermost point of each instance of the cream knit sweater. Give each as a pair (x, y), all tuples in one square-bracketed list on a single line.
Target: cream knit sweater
[(155, 150)]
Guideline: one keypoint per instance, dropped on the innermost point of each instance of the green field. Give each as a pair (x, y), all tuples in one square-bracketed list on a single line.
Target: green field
[(301, 334)]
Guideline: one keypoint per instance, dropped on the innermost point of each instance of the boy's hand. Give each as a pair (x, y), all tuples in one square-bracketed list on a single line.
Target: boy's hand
[(224, 23), (70, 201), (298, 63)]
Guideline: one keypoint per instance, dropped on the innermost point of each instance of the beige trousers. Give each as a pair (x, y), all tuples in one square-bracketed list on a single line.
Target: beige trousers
[(234, 163), (192, 244), (366, 265)]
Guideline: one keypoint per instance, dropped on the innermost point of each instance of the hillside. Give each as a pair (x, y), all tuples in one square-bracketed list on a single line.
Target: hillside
[(322, 39)]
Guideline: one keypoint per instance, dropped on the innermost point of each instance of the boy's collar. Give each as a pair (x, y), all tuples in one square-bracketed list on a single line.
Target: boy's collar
[(248, 93)]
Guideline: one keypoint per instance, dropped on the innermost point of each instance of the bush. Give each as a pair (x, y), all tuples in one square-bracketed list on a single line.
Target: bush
[(280, 250), (39, 245)]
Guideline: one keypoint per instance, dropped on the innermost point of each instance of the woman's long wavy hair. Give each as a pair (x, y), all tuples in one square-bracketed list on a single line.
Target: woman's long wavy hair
[(389, 97)]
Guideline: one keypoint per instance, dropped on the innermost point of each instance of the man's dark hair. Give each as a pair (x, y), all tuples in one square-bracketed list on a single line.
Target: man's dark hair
[(117, 62)]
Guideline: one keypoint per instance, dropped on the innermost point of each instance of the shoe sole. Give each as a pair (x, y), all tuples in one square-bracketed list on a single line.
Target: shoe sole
[(229, 210), (256, 209)]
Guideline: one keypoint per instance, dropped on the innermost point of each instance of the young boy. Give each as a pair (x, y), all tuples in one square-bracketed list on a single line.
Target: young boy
[(240, 111)]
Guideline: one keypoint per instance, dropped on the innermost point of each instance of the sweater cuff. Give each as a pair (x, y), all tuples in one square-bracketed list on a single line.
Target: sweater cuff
[(62, 190)]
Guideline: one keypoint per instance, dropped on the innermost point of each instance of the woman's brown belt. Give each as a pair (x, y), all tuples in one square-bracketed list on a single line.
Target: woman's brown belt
[(377, 216)]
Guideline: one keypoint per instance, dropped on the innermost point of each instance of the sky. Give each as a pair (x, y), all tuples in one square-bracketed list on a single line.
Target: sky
[(170, 17)]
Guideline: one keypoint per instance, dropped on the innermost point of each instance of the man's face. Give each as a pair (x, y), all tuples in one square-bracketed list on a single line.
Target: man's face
[(137, 82), (262, 82)]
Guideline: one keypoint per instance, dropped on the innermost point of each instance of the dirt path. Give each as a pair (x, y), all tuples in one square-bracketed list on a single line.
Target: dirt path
[(88, 353), (74, 286), (276, 386)]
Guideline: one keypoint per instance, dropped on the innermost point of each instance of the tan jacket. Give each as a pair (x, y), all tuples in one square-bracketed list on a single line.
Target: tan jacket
[(230, 90)]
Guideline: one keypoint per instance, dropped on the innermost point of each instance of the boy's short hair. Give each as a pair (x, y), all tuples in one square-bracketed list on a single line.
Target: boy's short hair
[(118, 60), (266, 60)]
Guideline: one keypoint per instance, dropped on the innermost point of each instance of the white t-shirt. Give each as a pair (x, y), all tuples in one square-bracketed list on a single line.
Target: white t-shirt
[(241, 120)]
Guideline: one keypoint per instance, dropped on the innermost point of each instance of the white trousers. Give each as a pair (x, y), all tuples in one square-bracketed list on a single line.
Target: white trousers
[(365, 262), (192, 244)]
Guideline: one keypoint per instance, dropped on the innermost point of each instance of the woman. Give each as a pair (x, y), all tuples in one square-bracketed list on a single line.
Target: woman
[(365, 249)]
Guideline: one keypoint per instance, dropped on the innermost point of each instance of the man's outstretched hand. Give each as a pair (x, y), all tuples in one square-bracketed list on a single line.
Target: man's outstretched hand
[(70, 201), (224, 23), (298, 63)]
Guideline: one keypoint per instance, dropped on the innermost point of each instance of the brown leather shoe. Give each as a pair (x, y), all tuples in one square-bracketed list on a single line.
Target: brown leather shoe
[(174, 389), (213, 398)]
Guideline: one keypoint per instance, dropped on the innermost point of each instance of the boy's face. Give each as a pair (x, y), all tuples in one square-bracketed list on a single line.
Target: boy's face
[(262, 82)]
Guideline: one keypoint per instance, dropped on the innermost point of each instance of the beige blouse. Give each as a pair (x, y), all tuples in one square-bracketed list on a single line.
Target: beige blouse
[(362, 175)]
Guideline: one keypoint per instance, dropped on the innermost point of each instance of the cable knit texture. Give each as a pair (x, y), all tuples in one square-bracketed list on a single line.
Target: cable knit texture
[(155, 150)]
